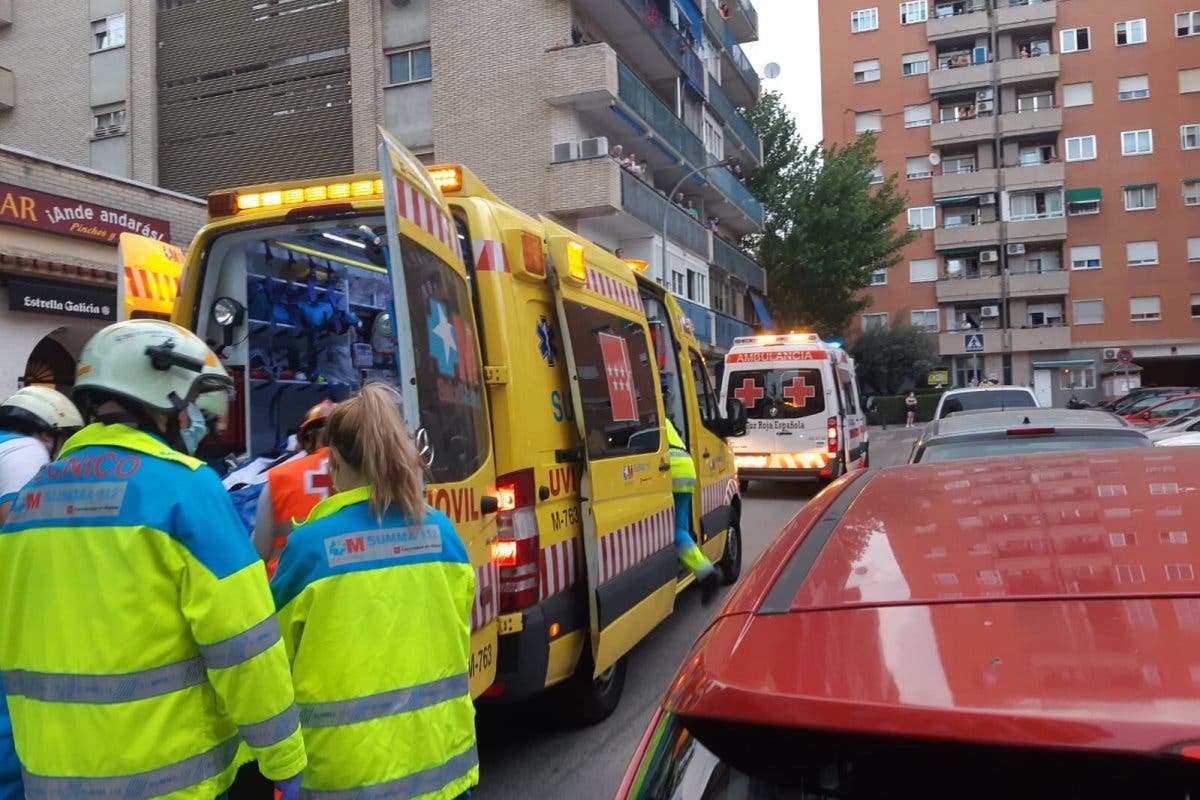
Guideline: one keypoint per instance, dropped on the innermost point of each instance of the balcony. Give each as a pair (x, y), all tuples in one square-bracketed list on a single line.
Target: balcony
[(743, 20), (745, 89), (737, 263), (1028, 15), (1034, 176), (1028, 123), (654, 46), (735, 123), (585, 188), (1043, 229), (8, 95), (738, 197), (727, 328), (972, 22), (641, 201), (1023, 70), (962, 290), (645, 103), (959, 79), (701, 317), (1039, 284), (962, 131), (1022, 340), (956, 184), (966, 237)]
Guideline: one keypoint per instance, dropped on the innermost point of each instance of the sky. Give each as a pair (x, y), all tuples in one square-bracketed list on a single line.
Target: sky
[(787, 36)]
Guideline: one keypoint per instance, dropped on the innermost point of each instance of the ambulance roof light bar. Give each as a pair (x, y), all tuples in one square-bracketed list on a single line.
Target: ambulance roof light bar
[(778, 339)]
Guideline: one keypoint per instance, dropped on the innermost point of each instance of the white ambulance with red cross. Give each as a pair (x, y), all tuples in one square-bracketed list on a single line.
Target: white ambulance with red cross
[(804, 418)]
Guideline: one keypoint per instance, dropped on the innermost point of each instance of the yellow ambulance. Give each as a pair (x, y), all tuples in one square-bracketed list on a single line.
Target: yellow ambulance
[(536, 369)]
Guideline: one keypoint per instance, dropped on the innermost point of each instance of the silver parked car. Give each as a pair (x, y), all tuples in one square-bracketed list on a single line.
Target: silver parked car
[(977, 398)]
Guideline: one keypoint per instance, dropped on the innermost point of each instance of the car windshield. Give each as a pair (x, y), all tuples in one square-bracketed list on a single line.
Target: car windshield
[(769, 764), (997, 398), (778, 393), (1142, 403), (1010, 445), (1182, 421)]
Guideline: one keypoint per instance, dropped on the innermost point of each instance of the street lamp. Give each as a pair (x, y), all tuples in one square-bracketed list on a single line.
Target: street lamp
[(725, 162)]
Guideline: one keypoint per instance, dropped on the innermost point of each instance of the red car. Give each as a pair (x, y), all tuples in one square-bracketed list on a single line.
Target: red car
[(1016, 627), (1164, 411)]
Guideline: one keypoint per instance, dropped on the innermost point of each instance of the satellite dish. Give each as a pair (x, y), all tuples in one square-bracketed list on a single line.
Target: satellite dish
[(771, 71), (935, 159)]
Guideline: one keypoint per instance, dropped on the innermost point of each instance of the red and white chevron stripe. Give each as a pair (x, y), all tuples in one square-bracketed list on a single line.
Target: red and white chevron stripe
[(489, 256), (717, 494), (615, 290), (487, 595), (151, 285), (731, 488), (559, 567), (629, 546), (418, 209)]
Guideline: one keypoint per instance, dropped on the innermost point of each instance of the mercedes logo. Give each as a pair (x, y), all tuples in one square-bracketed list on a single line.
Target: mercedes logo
[(424, 447)]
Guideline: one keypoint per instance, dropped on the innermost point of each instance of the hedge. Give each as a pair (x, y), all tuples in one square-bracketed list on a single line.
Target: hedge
[(891, 410)]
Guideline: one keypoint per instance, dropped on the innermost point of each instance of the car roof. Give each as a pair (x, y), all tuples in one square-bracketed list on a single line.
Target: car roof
[(997, 420), (1054, 593), (966, 389), (1172, 399), (1180, 440)]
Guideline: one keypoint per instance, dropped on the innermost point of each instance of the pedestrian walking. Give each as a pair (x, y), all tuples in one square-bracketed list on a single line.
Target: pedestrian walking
[(910, 403), (374, 594), (294, 487), (140, 655), (683, 486)]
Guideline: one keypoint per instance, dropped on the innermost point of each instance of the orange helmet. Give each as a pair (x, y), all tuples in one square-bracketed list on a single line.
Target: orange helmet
[(316, 416)]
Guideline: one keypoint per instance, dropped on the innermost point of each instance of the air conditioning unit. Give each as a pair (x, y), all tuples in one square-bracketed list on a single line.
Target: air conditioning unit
[(983, 94), (988, 256), (591, 148), (983, 106), (988, 199), (1016, 249), (1110, 353), (566, 151), (989, 312)]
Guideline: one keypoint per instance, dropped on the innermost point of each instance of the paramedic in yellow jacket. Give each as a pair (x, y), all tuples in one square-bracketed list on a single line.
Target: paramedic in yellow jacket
[(139, 648), (374, 593), (683, 486)]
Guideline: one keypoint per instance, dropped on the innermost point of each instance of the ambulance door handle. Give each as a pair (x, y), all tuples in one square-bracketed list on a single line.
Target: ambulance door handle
[(489, 504), (707, 454), (783, 433), (664, 467)]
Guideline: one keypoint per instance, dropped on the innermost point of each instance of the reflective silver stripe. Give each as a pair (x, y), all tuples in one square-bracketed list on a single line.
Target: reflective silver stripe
[(62, 687), (139, 786), (678, 484), (243, 647), (271, 731), (675, 452), (384, 704), (414, 785)]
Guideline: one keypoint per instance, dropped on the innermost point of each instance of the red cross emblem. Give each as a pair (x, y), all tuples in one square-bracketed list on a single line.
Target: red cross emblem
[(799, 392), (749, 393), (318, 481)]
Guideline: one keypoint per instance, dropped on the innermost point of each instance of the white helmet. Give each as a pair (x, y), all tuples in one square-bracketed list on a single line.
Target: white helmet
[(157, 365), (40, 408)]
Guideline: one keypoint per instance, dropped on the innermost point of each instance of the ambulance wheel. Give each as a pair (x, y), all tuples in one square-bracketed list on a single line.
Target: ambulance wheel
[(731, 562), (592, 700), (743, 484)]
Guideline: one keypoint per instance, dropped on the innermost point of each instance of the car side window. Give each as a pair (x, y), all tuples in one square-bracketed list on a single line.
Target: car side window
[(704, 391)]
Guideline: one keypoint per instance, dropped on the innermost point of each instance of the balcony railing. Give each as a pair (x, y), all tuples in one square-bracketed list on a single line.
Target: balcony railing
[(737, 193), (701, 317), (727, 328), (655, 112), (726, 37), (669, 38), (736, 122), (735, 262), (644, 203)]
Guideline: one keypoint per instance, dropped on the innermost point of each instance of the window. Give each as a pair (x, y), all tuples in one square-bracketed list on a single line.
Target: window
[(1195, 303), (1141, 198), (877, 173), (714, 137), (923, 271), (1043, 314), (1136, 143), (1035, 205), (916, 11), (1085, 256), (108, 123), (779, 393), (1191, 192), (1084, 208), (1074, 39), (409, 66), (879, 277), (917, 116), (678, 283), (1088, 312), (866, 71), (1189, 137), (922, 218), (926, 318), (1187, 23), (1189, 80), (709, 407), (1077, 378), (1036, 154), (1039, 101), (914, 64), (958, 165), (109, 32), (1135, 87), (918, 167), (877, 320), (1131, 32), (1081, 148), (1193, 248), (868, 121), (1140, 254), (1143, 309), (865, 20), (1077, 94)]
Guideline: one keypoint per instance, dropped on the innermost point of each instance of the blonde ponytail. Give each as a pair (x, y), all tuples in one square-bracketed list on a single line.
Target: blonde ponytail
[(368, 433)]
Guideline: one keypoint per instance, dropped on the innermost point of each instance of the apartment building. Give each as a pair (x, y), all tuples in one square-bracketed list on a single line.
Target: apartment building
[(1050, 154), (533, 95)]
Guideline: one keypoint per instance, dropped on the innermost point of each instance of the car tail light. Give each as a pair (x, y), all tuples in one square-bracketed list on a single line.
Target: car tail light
[(517, 549), (831, 434), (1029, 431)]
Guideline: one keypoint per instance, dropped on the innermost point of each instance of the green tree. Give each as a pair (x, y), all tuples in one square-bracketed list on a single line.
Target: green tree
[(826, 228), (892, 359)]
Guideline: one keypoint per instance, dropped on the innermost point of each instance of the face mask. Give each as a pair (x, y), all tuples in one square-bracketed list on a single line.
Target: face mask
[(196, 430)]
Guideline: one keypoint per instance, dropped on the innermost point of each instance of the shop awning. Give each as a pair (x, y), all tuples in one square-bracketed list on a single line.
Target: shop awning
[(967, 198), (1137, 185), (27, 266), (1065, 364), (760, 310), (1089, 195)]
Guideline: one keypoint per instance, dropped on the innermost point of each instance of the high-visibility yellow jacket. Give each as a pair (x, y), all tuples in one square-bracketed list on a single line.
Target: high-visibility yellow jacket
[(683, 469), (376, 619), (138, 642)]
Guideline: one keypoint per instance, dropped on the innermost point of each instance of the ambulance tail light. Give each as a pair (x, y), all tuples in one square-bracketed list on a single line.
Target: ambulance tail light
[(831, 435), (517, 548), (532, 256)]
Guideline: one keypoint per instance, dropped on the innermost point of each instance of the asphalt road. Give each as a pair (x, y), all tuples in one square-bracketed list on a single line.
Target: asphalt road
[(530, 751)]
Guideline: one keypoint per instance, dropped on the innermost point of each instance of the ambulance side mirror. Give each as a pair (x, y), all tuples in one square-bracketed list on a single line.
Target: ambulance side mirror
[(734, 423)]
